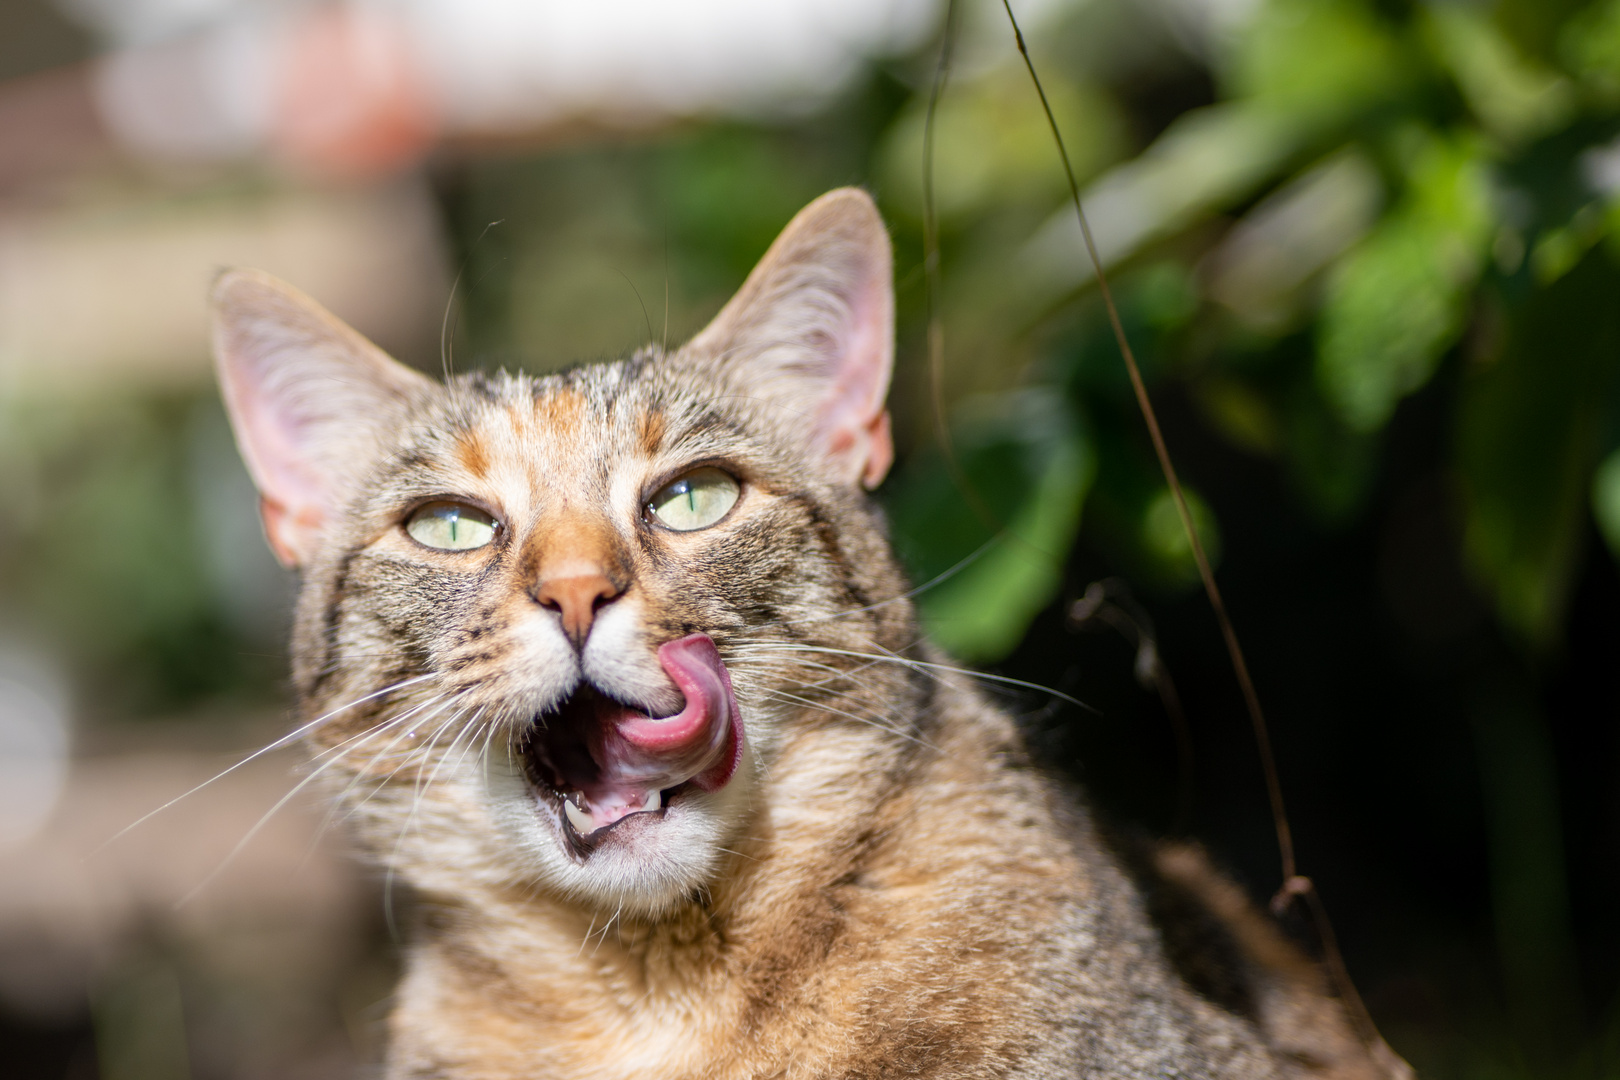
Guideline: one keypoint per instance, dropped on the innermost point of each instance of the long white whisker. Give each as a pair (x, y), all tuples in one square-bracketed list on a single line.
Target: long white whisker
[(834, 674), (285, 740), (867, 720), (923, 665), (342, 750), (438, 704), (254, 831), (938, 579), (416, 803)]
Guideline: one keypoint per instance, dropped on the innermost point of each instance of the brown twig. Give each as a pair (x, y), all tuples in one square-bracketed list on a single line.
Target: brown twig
[(1294, 883), (931, 275), (1279, 813)]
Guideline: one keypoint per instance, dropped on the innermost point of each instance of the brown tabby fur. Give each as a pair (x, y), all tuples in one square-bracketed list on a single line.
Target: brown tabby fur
[(887, 887)]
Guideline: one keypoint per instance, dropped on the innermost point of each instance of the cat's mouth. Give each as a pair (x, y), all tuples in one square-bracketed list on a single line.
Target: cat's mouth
[(601, 761)]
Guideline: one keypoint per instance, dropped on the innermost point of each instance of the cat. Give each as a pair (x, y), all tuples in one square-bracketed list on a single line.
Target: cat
[(616, 669)]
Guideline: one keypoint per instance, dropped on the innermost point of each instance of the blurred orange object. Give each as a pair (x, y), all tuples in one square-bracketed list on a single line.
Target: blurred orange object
[(352, 97)]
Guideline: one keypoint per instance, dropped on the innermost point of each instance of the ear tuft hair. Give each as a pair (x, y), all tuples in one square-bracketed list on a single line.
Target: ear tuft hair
[(312, 402)]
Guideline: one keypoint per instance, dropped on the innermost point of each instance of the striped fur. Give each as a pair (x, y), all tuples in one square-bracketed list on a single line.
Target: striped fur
[(886, 886)]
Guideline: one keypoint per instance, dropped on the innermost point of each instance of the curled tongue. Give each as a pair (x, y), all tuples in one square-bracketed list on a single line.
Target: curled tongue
[(637, 757)]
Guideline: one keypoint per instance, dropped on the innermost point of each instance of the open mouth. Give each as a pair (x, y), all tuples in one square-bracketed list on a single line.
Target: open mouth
[(602, 761)]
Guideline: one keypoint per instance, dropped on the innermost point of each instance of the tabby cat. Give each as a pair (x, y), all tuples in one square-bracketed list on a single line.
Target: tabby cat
[(615, 668)]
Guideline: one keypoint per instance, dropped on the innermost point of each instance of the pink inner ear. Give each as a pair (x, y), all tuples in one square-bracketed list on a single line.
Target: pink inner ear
[(311, 401), (852, 423), (294, 497)]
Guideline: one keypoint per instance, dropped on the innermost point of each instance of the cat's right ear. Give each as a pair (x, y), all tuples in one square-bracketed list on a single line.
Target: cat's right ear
[(310, 399), (810, 335)]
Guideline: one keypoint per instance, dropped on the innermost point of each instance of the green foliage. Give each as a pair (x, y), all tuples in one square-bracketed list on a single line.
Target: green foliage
[(1318, 304), (1530, 432), (1590, 44), (991, 526), (105, 550), (1316, 60), (1398, 301), (1606, 500), (994, 150)]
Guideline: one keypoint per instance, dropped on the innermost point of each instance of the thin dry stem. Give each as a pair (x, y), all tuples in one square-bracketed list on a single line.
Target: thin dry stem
[(1294, 884)]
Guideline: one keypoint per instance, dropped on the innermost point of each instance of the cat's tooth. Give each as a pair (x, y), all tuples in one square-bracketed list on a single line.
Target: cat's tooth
[(653, 801), (579, 819)]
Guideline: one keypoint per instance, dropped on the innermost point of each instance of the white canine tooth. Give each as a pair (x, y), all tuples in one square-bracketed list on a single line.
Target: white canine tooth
[(579, 819), (653, 801)]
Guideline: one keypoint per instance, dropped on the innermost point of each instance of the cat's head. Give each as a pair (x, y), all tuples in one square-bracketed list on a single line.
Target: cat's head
[(554, 631)]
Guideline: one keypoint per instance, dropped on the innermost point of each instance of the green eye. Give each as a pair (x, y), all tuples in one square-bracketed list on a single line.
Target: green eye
[(694, 501), (451, 526)]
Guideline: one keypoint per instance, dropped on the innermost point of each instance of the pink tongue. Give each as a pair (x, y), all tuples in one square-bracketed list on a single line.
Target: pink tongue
[(638, 756)]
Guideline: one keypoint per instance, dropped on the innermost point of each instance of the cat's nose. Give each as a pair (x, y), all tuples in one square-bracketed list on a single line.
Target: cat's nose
[(577, 599)]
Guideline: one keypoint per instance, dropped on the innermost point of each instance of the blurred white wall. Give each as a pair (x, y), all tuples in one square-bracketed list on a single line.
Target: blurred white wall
[(114, 287)]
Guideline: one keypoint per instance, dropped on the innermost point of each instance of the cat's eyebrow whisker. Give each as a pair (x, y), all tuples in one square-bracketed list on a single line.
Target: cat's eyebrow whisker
[(285, 740)]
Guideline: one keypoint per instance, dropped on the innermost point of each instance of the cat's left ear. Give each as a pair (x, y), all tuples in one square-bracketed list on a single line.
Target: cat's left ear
[(810, 335)]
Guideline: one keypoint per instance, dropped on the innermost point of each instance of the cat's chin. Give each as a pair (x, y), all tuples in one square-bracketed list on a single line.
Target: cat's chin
[(644, 864)]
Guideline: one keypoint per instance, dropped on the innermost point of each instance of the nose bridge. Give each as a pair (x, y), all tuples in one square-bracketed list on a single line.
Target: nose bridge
[(578, 567)]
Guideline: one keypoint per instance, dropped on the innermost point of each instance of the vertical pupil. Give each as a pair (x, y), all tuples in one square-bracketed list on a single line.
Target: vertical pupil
[(691, 497), (455, 519)]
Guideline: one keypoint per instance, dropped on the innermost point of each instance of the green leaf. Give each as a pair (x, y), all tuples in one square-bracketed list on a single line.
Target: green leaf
[(1589, 45), (1398, 300), (1606, 501), (994, 553), (992, 146), (1516, 98), (1528, 435), (1316, 59), (1164, 536)]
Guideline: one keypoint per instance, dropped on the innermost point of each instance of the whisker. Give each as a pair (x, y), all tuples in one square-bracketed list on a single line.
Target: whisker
[(247, 837), (835, 674), (361, 773), (285, 740), (869, 721), (410, 821), (933, 582), (926, 666), (342, 750)]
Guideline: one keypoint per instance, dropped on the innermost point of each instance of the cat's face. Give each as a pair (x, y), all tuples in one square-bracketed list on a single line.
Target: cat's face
[(552, 628)]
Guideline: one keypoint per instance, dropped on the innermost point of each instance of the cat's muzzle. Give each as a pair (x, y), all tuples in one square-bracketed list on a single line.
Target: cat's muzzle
[(602, 760)]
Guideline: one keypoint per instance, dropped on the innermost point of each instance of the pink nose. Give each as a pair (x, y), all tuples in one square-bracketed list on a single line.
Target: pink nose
[(576, 599)]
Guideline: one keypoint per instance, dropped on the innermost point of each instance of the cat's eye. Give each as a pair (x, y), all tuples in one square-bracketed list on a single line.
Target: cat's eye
[(451, 526), (694, 501)]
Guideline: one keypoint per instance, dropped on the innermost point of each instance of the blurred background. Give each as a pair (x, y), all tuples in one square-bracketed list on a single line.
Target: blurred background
[(1368, 252)]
